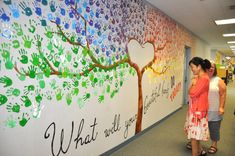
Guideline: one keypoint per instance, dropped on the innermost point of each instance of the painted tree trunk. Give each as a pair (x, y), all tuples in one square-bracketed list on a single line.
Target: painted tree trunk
[(138, 127)]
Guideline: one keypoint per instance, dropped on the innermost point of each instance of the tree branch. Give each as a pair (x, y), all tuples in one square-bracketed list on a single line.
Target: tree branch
[(67, 39), (54, 71), (84, 20)]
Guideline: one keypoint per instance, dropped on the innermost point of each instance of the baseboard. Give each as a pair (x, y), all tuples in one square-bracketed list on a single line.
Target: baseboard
[(109, 152)]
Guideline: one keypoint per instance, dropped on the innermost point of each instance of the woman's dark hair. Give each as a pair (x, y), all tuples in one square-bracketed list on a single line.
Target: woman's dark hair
[(205, 64)]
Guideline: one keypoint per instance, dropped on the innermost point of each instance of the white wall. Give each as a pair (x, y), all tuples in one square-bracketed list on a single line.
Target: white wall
[(202, 49), (67, 109)]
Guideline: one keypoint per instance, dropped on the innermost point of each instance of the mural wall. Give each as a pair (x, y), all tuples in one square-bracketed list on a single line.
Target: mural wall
[(82, 76)]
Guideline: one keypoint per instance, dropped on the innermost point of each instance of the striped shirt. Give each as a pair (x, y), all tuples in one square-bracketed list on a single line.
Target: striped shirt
[(214, 98)]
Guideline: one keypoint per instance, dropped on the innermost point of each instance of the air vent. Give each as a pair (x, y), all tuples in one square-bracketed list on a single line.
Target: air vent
[(232, 7)]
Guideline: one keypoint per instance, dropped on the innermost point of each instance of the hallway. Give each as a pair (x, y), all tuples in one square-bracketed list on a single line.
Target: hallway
[(167, 138)]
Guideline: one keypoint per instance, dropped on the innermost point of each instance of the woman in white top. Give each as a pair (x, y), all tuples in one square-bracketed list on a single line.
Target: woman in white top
[(217, 96)]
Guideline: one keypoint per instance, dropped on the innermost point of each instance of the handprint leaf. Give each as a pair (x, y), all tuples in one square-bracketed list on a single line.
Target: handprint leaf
[(6, 81)]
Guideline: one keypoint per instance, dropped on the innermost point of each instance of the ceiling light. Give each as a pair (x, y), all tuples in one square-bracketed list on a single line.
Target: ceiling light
[(232, 47), (231, 42), (225, 21), (229, 35), (228, 58)]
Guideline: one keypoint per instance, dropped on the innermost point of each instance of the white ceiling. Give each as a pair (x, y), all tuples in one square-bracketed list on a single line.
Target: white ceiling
[(198, 16)]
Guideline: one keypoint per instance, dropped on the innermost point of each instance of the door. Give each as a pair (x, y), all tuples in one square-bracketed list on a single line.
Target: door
[(187, 55)]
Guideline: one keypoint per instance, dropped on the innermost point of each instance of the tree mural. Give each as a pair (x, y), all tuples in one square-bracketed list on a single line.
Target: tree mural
[(65, 48), (160, 31)]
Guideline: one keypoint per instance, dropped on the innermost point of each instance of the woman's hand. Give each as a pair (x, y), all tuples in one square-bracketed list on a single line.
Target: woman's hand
[(194, 80), (222, 97), (221, 111)]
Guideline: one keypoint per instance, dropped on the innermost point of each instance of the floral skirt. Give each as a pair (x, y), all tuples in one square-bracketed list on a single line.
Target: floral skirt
[(196, 126)]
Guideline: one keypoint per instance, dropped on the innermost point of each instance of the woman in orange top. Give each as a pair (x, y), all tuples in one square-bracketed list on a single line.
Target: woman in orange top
[(196, 126)]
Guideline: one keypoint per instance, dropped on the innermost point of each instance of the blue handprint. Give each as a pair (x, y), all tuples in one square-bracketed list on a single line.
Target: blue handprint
[(15, 11), (7, 2), (53, 6), (38, 10), (4, 16), (27, 10), (6, 31), (44, 2)]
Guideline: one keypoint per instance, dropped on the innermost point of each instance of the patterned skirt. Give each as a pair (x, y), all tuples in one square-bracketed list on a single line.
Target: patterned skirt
[(196, 126)]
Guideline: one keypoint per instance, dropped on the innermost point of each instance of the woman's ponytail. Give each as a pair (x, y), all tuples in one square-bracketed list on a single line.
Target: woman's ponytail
[(206, 64)]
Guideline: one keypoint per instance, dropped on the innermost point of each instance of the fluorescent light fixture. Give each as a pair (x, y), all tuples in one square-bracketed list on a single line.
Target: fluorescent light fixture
[(231, 42), (229, 35), (232, 47), (225, 21)]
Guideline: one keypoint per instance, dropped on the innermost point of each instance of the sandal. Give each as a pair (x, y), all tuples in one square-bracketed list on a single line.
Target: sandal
[(202, 153), (189, 146), (212, 150)]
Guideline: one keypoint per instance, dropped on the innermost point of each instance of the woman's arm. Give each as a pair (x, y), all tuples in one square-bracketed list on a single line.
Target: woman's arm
[(193, 83), (222, 96), (200, 86)]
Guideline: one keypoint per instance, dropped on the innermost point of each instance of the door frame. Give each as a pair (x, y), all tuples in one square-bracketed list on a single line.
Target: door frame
[(186, 74)]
